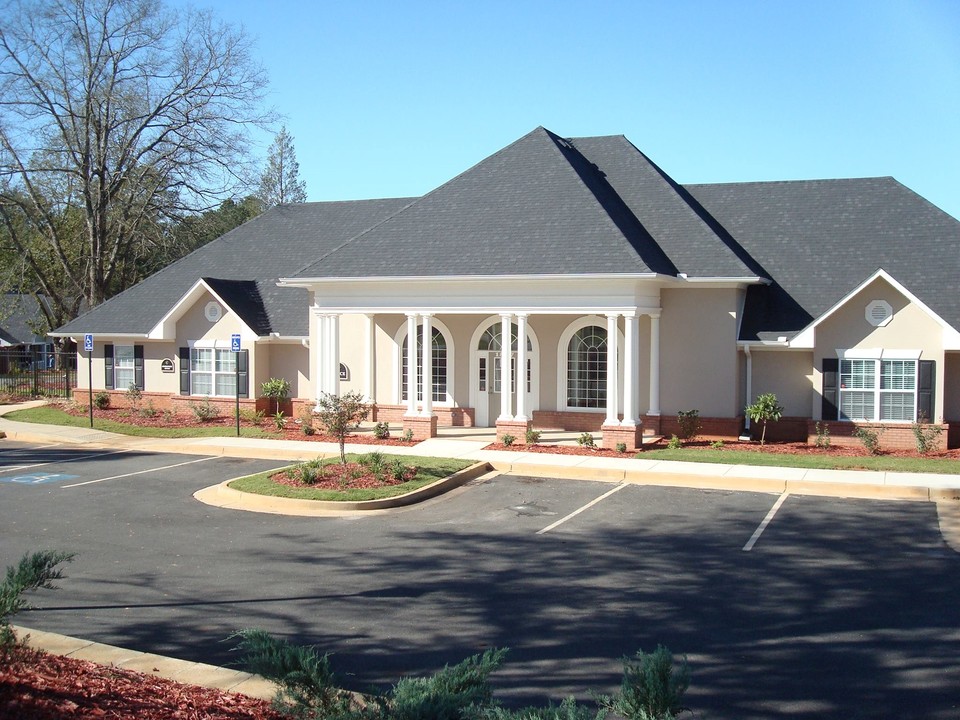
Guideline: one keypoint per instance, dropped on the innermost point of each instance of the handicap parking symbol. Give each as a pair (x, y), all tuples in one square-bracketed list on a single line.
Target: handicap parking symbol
[(37, 478)]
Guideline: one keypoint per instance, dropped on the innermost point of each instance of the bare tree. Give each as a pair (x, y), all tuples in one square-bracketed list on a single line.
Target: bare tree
[(116, 117), (280, 182)]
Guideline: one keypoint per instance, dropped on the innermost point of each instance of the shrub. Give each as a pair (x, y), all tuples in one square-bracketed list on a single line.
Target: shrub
[(567, 710), (340, 414), (279, 420), (621, 447), (507, 439), (689, 421), (869, 438), (398, 470), (926, 435), (586, 440), (168, 415), (408, 435), (674, 443), (381, 431), (101, 400), (34, 571), (765, 408), (134, 396), (717, 445), (276, 389), (148, 410), (823, 436), (532, 436), (651, 688), (205, 410), (254, 417), (308, 688)]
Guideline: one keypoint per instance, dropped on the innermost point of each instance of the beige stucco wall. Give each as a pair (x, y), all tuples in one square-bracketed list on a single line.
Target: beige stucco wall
[(787, 374), (910, 329), (698, 352)]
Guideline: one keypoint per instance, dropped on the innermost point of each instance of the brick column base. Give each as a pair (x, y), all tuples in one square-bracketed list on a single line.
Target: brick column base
[(629, 436), (517, 428), (423, 428)]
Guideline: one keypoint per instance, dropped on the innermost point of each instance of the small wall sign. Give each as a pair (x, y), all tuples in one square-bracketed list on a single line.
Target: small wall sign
[(166, 365), (344, 372)]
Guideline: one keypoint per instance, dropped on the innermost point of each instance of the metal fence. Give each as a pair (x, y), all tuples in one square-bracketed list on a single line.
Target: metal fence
[(37, 371)]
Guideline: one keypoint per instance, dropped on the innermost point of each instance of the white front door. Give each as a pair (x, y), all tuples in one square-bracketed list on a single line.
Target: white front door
[(487, 377)]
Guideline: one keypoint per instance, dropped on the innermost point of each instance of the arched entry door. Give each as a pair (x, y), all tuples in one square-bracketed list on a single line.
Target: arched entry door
[(487, 366)]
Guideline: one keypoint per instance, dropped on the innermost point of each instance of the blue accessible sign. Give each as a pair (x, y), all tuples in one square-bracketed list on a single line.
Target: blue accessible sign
[(88, 343), (235, 343)]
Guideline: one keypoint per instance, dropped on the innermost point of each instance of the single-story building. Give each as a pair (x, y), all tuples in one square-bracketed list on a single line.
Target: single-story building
[(627, 297)]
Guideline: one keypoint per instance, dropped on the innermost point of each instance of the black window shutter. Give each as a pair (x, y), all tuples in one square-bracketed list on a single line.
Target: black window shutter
[(926, 381), (138, 366), (243, 375), (108, 366), (184, 370), (831, 369)]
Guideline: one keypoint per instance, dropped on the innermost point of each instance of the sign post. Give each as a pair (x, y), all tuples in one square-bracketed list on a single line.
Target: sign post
[(235, 347), (88, 348)]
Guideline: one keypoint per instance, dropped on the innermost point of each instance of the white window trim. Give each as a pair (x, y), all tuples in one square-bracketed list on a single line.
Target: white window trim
[(565, 336), (213, 372), (132, 367), (533, 397), (877, 355), (398, 337)]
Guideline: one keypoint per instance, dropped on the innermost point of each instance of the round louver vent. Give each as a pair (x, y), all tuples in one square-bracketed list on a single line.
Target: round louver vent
[(879, 313)]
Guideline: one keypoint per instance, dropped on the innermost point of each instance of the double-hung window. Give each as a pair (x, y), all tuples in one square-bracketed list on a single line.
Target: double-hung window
[(878, 390), (123, 366), (213, 372)]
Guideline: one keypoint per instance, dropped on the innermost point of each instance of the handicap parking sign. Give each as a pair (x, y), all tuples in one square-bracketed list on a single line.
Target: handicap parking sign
[(235, 343), (88, 343)]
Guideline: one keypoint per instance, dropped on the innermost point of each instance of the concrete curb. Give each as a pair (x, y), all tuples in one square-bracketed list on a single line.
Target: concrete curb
[(222, 496), (183, 671)]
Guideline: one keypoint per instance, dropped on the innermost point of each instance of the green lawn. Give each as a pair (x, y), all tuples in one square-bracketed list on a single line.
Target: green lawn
[(823, 462), (429, 469), (49, 415)]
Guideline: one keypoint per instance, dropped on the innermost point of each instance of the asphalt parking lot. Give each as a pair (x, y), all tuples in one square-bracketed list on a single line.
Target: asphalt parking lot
[(799, 607)]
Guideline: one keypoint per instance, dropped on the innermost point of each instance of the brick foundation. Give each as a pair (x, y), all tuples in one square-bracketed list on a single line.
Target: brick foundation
[(446, 416), (517, 428), (423, 428), (891, 436), (629, 436)]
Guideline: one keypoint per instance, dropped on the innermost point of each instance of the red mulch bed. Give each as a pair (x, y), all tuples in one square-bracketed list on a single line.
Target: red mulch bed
[(37, 686), (774, 448), (346, 477)]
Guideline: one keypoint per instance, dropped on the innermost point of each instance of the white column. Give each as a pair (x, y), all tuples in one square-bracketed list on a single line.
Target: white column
[(654, 408), (325, 351), (427, 365), (335, 354), (371, 383), (411, 364), (521, 368), (506, 397), (629, 369), (612, 390), (318, 350)]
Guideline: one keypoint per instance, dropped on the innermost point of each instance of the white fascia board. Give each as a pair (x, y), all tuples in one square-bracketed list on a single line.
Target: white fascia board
[(164, 330), (755, 280), (102, 336), (311, 281), (806, 337), (755, 345)]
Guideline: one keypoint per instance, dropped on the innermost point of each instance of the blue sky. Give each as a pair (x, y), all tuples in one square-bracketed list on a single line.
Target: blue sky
[(390, 99)]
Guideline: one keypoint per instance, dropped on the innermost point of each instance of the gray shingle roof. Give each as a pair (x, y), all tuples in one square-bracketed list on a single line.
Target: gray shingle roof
[(262, 250), (819, 239), (20, 315), (535, 207)]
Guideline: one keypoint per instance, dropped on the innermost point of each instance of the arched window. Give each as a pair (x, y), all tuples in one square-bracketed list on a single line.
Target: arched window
[(490, 342), (438, 364), (587, 368)]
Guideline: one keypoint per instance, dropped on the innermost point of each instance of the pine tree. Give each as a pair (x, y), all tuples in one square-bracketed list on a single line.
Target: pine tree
[(280, 183)]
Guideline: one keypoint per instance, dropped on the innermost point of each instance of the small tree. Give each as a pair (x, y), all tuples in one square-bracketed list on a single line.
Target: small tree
[(763, 410), (276, 389), (340, 414)]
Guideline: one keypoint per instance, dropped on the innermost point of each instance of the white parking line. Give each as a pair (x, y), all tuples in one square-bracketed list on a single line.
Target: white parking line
[(59, 462), (763, 525), (139, 472), (589, 505)]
